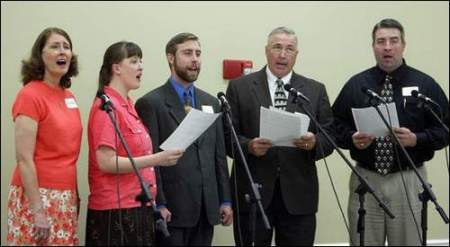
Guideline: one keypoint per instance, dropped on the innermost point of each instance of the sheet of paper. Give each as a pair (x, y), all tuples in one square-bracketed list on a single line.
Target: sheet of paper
[(368, 121), (281, 127), (192, 127)]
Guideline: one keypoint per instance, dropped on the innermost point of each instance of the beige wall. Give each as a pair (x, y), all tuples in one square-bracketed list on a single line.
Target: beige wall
[(334, 41)]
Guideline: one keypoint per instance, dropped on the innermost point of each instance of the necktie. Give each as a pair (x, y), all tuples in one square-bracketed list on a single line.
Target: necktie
[(280, 99), (187, 101), (384, 149)]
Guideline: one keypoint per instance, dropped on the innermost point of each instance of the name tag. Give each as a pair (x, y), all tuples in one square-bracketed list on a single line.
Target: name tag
[(207, 109), (406, 91), (71, 103)]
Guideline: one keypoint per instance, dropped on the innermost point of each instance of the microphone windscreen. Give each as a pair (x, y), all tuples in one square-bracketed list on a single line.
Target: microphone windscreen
[(220, 94), (99, 94), (287, 87)]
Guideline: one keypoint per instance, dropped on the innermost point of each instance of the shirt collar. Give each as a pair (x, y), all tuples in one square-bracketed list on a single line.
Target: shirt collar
[(111, 92), (272, 78), (116, 98), (397, 74), (180, 88)]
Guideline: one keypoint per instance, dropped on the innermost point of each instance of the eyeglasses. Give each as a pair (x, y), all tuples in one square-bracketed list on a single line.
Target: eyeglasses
[(277, 49)]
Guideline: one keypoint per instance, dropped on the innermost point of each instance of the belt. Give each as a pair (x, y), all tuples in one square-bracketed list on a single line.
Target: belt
[(394, 168)]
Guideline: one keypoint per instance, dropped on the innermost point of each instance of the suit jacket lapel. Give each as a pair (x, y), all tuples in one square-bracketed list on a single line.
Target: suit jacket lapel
[(297, 84), (260, 88), (173, 103), (198, 105)]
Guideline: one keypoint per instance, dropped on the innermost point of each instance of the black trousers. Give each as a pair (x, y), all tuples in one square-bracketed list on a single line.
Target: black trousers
[(199, 235), (289, 229), (126, 227)]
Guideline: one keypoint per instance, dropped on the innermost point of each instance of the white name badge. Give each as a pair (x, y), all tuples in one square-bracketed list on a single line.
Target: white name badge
[(71, 103), (406, 91), (207, 109)]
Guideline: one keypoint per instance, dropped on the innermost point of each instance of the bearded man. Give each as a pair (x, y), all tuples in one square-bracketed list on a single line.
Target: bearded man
[(194, 195)]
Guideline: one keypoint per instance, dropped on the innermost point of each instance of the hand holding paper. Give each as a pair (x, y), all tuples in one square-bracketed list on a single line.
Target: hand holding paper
[(306, 142), (259, 146), (369, 122), (406, 137), (170, 157), (282, 127), (362, 140)]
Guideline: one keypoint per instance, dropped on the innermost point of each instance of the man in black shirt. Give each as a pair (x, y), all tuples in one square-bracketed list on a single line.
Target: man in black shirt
[(378, 159)]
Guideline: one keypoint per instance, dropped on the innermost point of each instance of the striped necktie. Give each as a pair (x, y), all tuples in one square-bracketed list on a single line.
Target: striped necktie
[(384, 148), (280, 99), (187, 101)]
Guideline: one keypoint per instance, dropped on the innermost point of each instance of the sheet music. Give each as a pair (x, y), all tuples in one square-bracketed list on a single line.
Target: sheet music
[(192, 127), (368, 121), (281, 127)]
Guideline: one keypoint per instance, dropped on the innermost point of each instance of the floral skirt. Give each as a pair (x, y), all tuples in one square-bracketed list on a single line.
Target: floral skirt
[(62, 214)]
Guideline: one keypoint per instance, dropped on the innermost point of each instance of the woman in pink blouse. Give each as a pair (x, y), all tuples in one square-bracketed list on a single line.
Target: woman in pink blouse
[(114, 216)]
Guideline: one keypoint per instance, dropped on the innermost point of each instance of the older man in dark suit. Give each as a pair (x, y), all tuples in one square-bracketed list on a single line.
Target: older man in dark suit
[(287, 174), (194, 196)]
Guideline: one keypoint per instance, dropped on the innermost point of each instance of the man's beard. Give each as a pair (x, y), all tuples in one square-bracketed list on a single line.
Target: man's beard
[(184, 73)]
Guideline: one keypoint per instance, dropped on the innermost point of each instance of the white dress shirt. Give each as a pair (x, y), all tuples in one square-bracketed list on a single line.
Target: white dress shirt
[(271, 80)]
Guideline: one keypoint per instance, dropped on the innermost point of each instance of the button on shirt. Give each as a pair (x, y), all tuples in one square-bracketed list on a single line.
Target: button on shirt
[(103, 191)]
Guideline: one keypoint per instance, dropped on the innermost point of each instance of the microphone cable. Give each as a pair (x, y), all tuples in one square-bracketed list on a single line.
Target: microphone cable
[(403, 179), (441, 115), (113, 122), (446, 158), (236, 196), (331, 179), (122, 242), (234, 170), (445, 148), (334, 188)]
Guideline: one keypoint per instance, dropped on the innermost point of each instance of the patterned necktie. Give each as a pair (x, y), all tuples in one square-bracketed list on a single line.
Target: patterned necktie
[(187, 101), (384, 149), (280, 98)]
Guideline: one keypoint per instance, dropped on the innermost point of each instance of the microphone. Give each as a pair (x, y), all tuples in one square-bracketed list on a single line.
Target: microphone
[(106, 101), (295, 92), (162, 226), (372, 94), (223, 101), (420, 96)]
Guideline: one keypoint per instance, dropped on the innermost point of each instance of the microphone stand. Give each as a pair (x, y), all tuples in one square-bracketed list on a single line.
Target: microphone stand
[(427, 193), (254, 199), (363, 187), (145, 195)]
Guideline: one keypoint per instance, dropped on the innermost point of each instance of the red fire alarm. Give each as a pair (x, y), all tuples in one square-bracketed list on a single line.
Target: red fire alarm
[(235, 68)]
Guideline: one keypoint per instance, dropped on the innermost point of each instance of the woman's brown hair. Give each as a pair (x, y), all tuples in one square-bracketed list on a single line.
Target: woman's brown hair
[(34, 67), (114, 55)]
